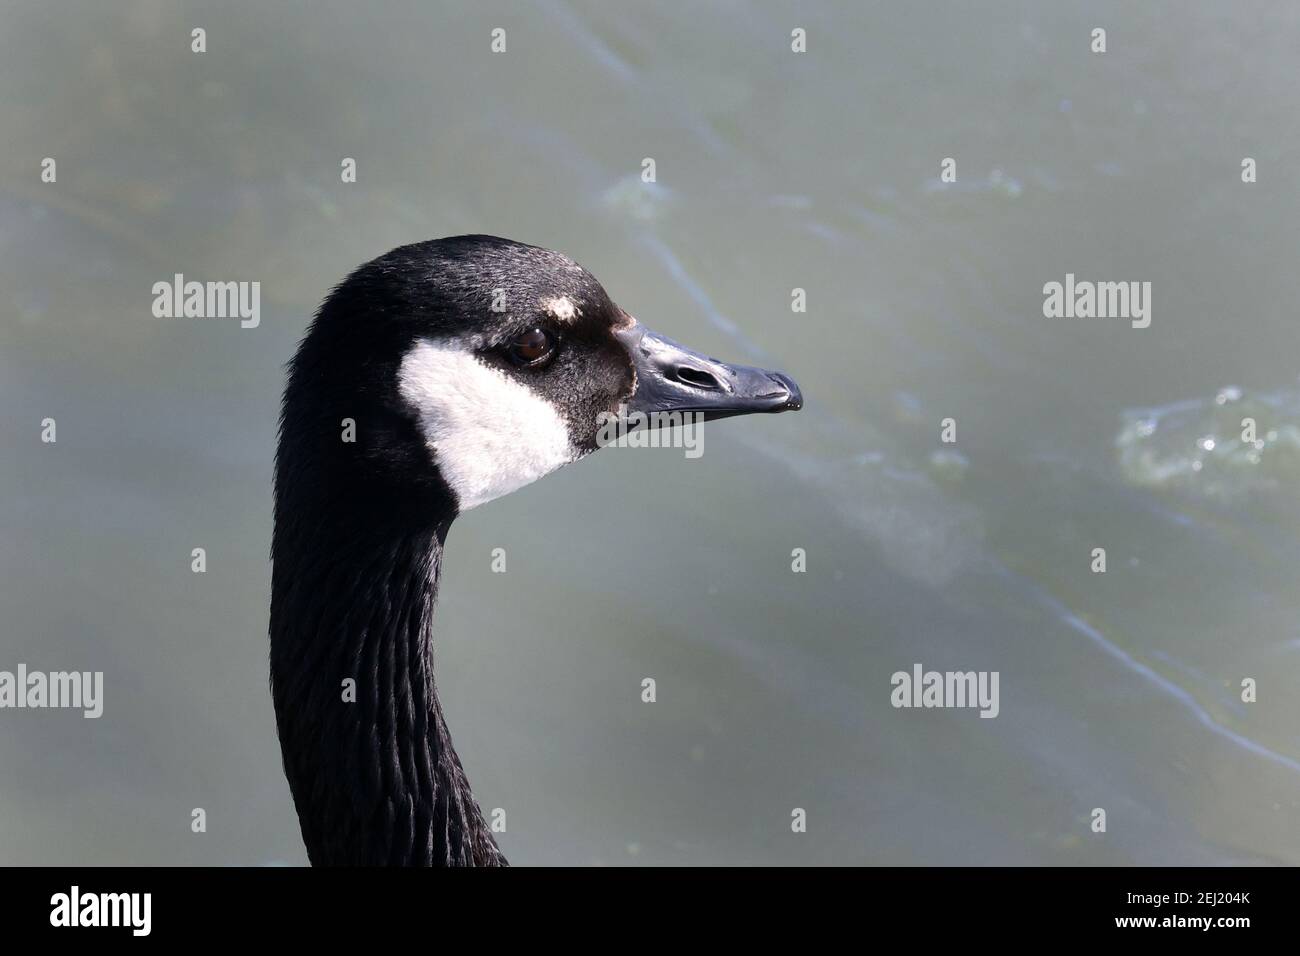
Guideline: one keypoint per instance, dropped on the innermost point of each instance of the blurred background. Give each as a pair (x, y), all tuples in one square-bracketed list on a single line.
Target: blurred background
[(775, 170)]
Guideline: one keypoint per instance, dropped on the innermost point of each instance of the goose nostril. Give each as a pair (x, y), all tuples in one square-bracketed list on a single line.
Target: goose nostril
[(697, 377)]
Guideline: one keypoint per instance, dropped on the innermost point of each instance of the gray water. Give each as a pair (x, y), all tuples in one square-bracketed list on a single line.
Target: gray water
[(775, 170)]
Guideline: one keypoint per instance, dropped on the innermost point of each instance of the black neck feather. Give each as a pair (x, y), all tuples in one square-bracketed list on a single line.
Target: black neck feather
[(373, 772)]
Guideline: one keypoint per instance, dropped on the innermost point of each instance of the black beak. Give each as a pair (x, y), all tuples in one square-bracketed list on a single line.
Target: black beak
[(672, 378)]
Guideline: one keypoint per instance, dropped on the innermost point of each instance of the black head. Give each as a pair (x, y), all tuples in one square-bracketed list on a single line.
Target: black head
[(435, 378), (473, 365)]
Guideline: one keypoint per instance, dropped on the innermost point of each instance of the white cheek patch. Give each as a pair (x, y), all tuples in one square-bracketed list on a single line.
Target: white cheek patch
[(489, 434)]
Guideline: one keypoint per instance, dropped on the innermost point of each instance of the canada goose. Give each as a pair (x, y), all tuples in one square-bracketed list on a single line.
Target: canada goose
[(433, 379)]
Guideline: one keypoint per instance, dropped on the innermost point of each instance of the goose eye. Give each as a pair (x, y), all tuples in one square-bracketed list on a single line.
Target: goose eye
[(532, 348)]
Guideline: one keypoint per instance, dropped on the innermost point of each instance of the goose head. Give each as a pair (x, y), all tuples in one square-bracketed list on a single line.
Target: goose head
[(433, 379), (474, 365)]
